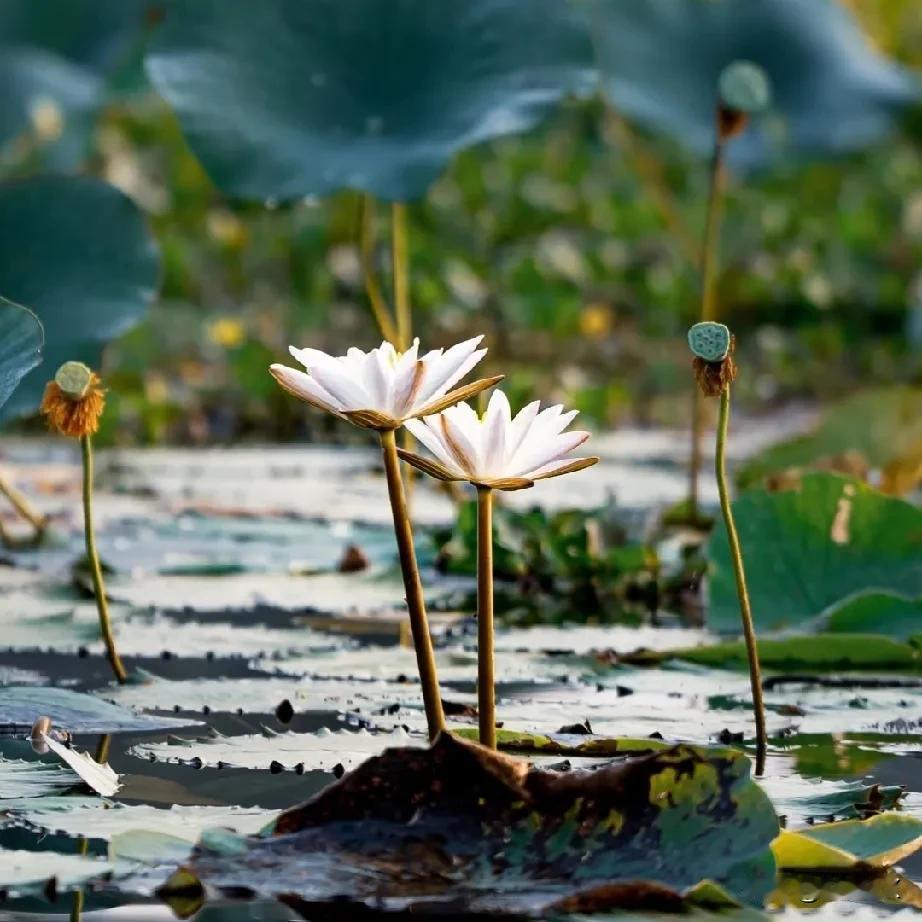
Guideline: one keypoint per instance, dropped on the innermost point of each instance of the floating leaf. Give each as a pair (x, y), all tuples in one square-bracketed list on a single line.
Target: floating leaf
[(567, 744), (810, 547), (21, 780), (880, 428), (76, 251), (24, 872), (831, 92), (799, 799), (21, 339), (285, 99), (20, 707), (517, 839)]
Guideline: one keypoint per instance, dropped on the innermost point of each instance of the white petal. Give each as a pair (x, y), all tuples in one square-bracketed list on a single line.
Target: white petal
[(350, 393), (311, 357), (542, 453), (519, 429), (494, 430), (304, 386), (456, 434), (445, 370), (427, 432)]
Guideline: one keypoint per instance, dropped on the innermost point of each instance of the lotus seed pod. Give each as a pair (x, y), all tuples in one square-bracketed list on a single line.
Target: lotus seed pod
[(744, 87), (709, 341), (74, 379)]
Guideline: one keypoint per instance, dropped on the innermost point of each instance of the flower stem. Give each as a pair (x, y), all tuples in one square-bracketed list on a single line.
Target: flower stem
[(22, 507), (736, 555), (99, 589), (401, 275), (379, 308), (486, 684), (416, 605), (710, 252)]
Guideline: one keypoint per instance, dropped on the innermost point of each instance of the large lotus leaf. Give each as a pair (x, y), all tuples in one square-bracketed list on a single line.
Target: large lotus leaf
[(77, 252), (21, 340), (661, 60), (20, 707), (879, 429), (809, 547), (876, 613), (516, 839), (283, 98)]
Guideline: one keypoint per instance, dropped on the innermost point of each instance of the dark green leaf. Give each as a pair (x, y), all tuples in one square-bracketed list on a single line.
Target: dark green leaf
[(77, 252), (810, 547), (21, 340), (661, 62), (283, 98), (876, 613)]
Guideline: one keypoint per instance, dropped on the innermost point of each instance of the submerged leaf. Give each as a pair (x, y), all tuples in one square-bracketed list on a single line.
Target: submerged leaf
[(457, 825)]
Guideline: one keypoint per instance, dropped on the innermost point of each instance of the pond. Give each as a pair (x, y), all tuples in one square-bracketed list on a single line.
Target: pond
[(262, 673)]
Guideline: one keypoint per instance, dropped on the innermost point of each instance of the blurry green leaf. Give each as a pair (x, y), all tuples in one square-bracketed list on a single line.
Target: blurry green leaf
[(661, 62), (77, 252), (283, 99), (809, 547), (21, 339), (882, 428), (876, 613), (656, 825)]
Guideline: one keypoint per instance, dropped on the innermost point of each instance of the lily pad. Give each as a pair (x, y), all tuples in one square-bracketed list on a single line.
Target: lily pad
[(285, 99), (21, 339), (832, 92), (518, 839), (30, 873), (73, 249), (20, 707), (810, 547), (20, 780), (880, 429), (801, 799)]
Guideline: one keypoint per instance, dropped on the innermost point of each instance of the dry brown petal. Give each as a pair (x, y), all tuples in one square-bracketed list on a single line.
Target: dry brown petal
[(457, 395), (427, 466)]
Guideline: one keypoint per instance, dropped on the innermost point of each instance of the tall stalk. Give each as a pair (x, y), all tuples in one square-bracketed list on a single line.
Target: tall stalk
[(486, 682), (416, 605), (99, 589), (23, 509), (710, 253), (400, 253), (736, 554), (379, 309)]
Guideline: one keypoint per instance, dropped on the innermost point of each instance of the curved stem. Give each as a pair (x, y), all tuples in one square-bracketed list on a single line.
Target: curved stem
[(710, 252), (739, 572), (22, 507), (401, 275), (379, 308), (99, 589), (416, 605), (486, 682)]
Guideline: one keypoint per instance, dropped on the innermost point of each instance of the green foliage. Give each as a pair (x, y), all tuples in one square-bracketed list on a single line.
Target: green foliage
[(283, 99), (809, 547), (564, 564), (21, 339), (77, 252), (661, 64)]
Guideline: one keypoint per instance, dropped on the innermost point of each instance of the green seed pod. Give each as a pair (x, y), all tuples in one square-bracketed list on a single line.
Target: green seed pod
[(744, 87), (74, 378), (709, 341)]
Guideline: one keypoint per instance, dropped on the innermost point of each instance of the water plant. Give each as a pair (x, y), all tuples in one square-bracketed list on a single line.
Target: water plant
[(495, 451), (382, 390), (73, 404), (715, 371)]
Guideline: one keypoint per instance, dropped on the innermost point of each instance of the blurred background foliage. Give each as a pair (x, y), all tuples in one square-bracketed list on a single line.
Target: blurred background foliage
[(572, 246)]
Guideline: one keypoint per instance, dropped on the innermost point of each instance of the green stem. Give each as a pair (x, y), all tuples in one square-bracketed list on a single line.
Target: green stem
[(710, 253), (379, 308), (736, 555), (22, 507), (99, 589), (416, 605), (486, 680), (401, 275)]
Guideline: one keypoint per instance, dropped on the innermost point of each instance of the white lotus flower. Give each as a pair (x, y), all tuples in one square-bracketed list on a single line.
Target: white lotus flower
[(497, 450), (382, 388)]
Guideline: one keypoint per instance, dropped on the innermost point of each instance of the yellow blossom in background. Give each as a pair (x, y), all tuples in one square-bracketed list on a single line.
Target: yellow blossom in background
[(226, 332), (596, 320)]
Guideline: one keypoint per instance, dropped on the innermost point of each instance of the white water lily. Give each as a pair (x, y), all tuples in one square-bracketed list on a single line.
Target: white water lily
[(382, 388), (496, 450)]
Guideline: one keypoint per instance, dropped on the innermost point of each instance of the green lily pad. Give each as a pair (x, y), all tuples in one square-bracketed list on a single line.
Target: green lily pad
[(21, 339), (810, 547), (77, 252), (801, 799), (283, 99), (881, 428), (661, 63), (518, 839)]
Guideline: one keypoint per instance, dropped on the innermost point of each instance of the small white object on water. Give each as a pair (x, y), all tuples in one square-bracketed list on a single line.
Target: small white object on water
[(100, 778)]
